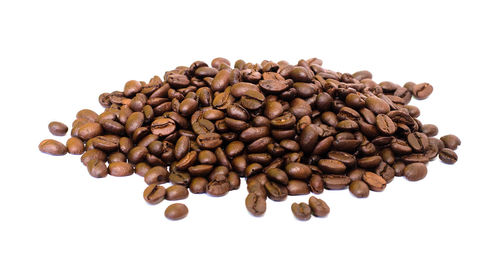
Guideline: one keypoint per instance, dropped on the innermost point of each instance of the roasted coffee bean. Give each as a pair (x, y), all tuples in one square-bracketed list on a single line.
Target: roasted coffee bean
[(256, 204), (207, 157), (430, 130), (209, 140), (117, 156), (385, 171), (399, 167), (162, 127), (377, 105), (297, 187), (318, 207), (179, 178), (156, 175), (385, 125), (316, 184), (75, 146), (87, 114), (359, 189), (336, 182), (154, 194), (277, 175), (89, 130), (308, 138), (448, 156), (422, 90), (298, 171), (176, 211), (142, 168), (218, 186), (137, 154), (451, 141), (415, 171), (330, 166), (347, 159), (58, 128), (369, 161), (97, 168), (356, 174), (198, 185), (120, 169), (418, 141), (253, 133), (91, 155), (176, 192), (276, 192), (374, 181), (301, 211)]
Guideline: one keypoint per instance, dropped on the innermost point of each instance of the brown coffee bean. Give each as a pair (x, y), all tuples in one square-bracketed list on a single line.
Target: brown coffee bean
[(277, 175), (301, 211), (318, 207), (298, 171), (176, 192), (163, 127), (430, 130), (218, 186), (385, 125), (336, 182), (377, 105), (374, 181), (448, 156), (316, 184), (156, 175), (451, 141), (154, 194), (422, 90), (275, 192), (89, 130), (256, 204), (297, 187), (330, 166), (75, 146), (91, 155), (142, 168), (198, 185), (120, 169), (415, 171), (209, 140), (87, 114), (359, 189), (182, 147), (58, 128), (176, 211), (97, 168), (418, 141)]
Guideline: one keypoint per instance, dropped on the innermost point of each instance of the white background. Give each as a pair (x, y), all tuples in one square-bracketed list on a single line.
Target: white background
[(56, 221)]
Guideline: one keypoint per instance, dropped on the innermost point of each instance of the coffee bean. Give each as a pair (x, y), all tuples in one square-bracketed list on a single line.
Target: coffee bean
[(330, 166), (297, 187), (87, 114), (359, 189), (301, 211), (97, 168), (374, 181), (336, 182), (256, 204), (176, 192), (162, 126), (275, 192), (385, 125), (298, 171), (377, 105), (422, 90), (198, 185), (448, 156), (176, 211), (219, 186), (120, 169), (91, 155), (451, 141), (58, 128), (415, 171), (156, 175), (418, 141), (430, 130), (89, 130), (154, 194), (318, 207), (75, 146), (142, 168)]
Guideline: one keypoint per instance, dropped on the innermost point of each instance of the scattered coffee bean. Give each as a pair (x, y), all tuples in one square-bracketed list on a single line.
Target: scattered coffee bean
[(318, 207), (58, 128), (176, 211), (256, 204), (359, 189), (451, 141), (52, 147), (154, 194), (415, 171), (301, 211), (448, 156)]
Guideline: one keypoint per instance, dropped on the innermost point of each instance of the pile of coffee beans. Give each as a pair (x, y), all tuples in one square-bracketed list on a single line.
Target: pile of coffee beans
[(289, 129)]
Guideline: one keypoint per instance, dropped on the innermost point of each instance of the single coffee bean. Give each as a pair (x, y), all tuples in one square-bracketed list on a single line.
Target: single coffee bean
[(91, 155), (359, 189), (52, 147), (318, 207), (117, 156), (176, 211), (330, 166), (88, 115), (451, 141), (336, 182), (97, 168), (316, 184), (418, 141), (198, 185), (120, 169), (377, 105), (218, 186), (399, 167), (297, 187), (209, 140), (142, 168), (369, 161), (415, 171), (374, 181), (301, 211), (385, 125), (162, 126), (176, 192), (256, 204), (430, 130), (156, 175), (89, 130), (181, 147), (422, 90), (58, 128), (154, 194), (448, 156), (277, 175), (275, 192), (298, 171), (75, 146)]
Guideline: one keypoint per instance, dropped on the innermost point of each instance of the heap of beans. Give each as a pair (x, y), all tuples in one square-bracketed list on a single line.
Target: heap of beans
[(289, 129)]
